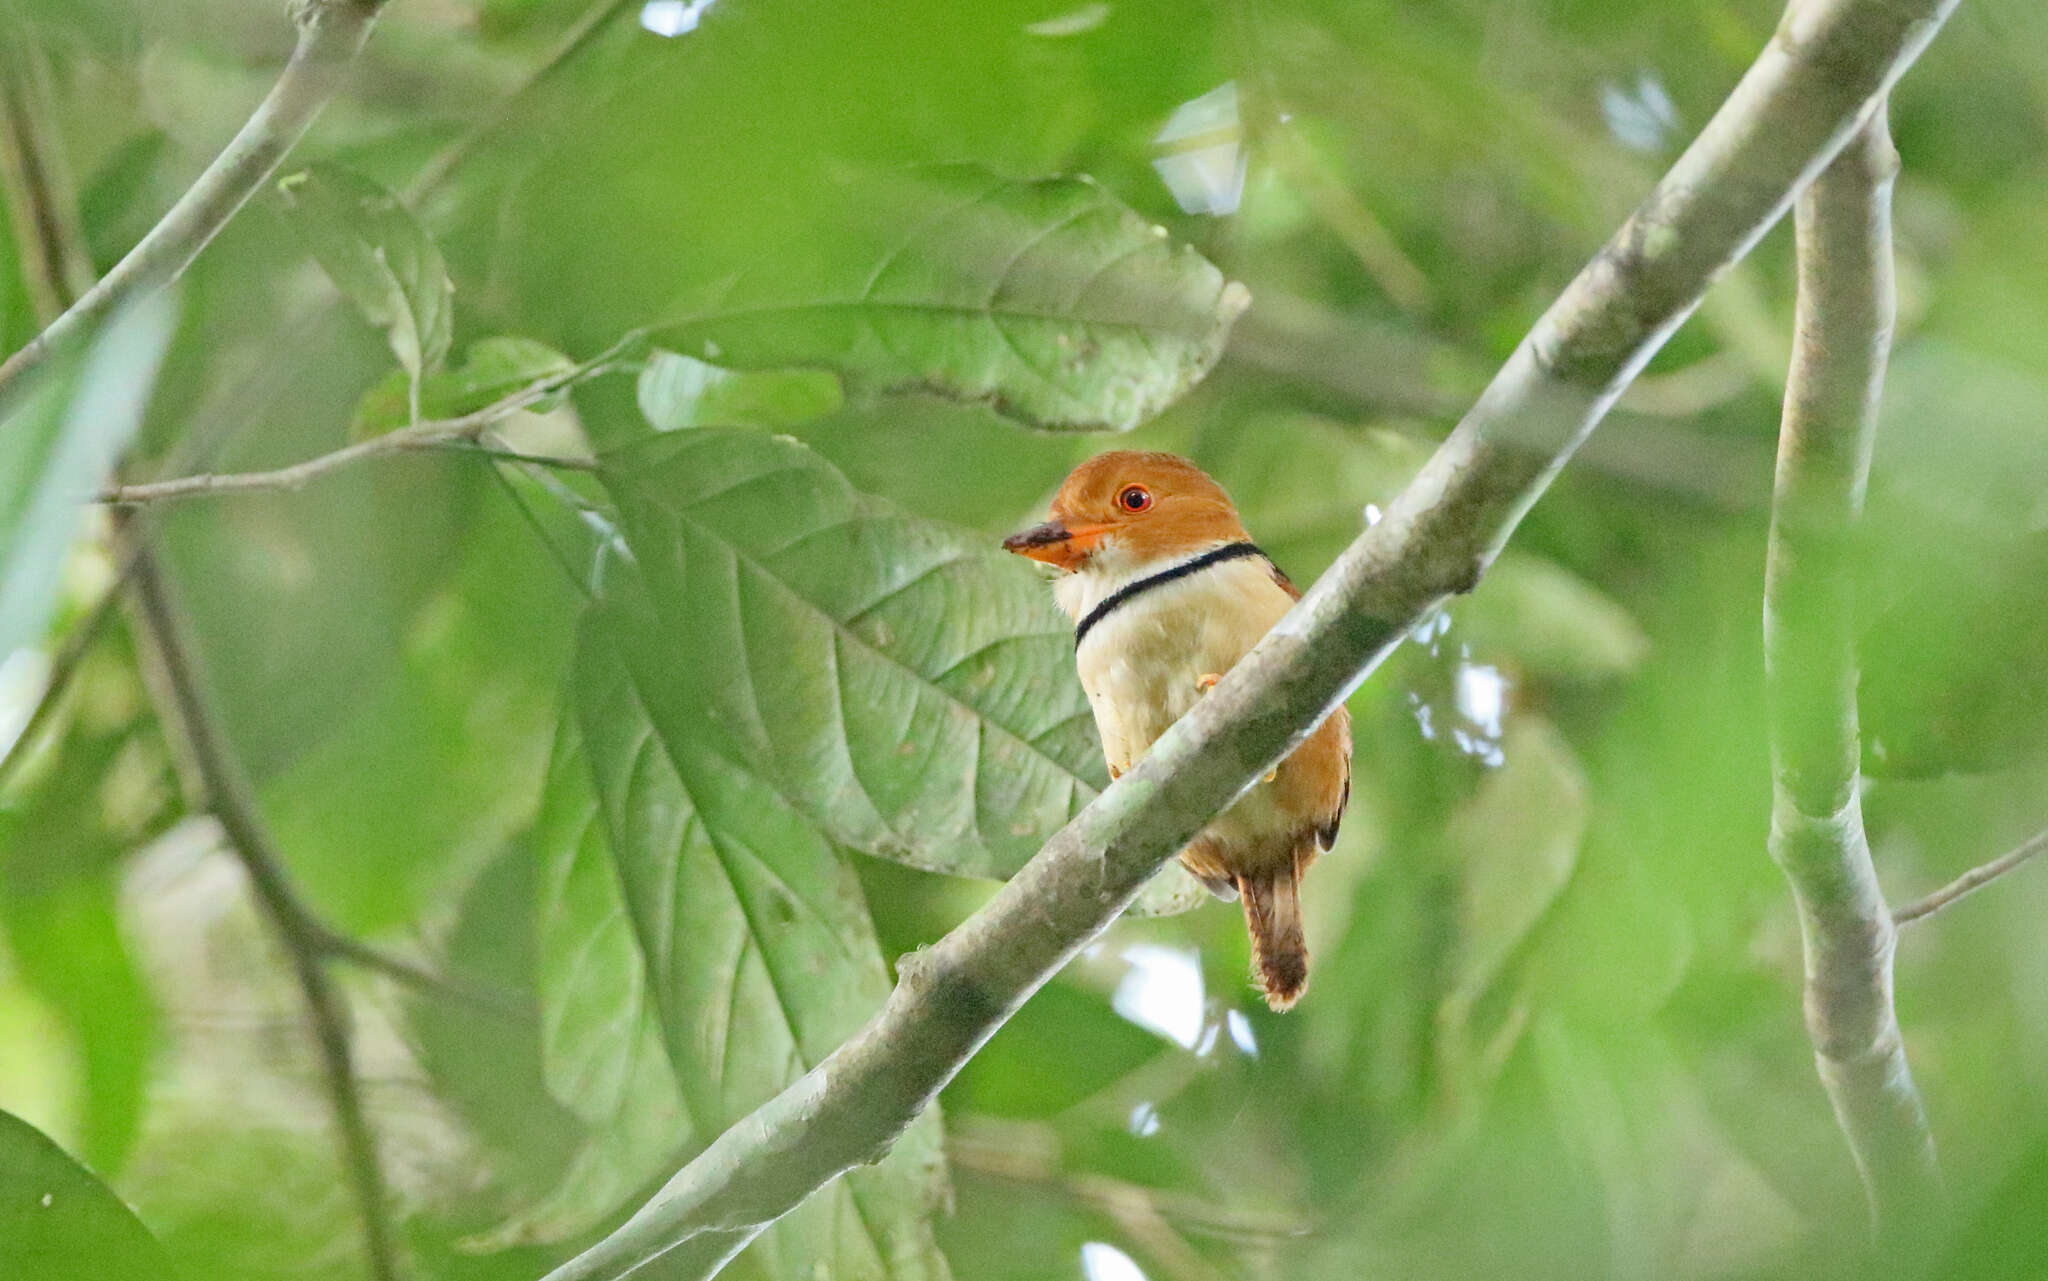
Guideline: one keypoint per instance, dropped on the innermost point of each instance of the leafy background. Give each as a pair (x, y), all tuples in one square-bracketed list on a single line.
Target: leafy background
[(687, 753)]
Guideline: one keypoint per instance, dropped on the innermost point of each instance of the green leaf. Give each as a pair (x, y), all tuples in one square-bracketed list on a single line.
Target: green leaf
[(436, 760), (57, 445), (380, 257), (491, 370), (756, 939), (1515, 844), (487, 1061), (1048, 300), (678, 391), (601, 1047), (57, 1220), (1547, 622), (908, 687), (102, 788), (1952, 674)]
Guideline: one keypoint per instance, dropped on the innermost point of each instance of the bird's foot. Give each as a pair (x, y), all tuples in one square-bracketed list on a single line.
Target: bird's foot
[(1207, 681)]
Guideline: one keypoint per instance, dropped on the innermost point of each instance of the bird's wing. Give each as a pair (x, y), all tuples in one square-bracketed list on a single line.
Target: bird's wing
[(1338, 727), (1335, 738), (1280, 577)]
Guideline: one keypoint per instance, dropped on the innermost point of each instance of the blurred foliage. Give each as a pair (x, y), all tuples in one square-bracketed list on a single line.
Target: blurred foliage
[(679, 756)]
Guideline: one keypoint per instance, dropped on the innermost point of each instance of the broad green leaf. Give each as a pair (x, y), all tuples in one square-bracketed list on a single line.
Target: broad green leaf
[(58, 443), (601, 1048), (1953, 679), (1048, 300), (756, 940), (103, 788), (1545, 621), (57, 1220), (908, 687), (403, 793), (1687, 1204), (492, 369), (1514, 845), (486, 1061), (678, 391), (380, 257)]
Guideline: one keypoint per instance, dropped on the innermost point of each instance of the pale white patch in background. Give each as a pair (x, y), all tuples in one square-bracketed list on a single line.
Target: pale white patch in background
[(1241, 1032), (1482, 699), (673, 17), (1144, 1120), (1482, 696), (22, 677), (1101, 1261), (1640, 116), (1074, 22), (1162, 991), (1204, 160)]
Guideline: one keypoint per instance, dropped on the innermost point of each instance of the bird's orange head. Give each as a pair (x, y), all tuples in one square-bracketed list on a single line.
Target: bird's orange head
[(1140, 506)]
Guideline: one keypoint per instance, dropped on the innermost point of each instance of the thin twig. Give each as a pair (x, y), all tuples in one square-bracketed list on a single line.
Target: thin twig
[(440, 433), (427, 982), (1839, 353), (1803, 99), (1027, 1152), (1973, 880), (580, 33), (498, 453), (331, 32), (230, 797)]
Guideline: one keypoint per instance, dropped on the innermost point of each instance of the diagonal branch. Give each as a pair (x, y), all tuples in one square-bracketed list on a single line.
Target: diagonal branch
[(305, 940), (1807, 93), (330, 34), (1839, 352)]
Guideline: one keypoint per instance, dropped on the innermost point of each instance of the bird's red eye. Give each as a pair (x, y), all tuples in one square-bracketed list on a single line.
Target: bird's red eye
[(1134, 498)]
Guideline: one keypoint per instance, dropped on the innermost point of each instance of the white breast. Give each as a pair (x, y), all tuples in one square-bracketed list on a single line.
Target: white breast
[(1140, 664)]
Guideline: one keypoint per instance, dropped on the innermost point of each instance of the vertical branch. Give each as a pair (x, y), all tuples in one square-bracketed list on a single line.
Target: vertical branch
[(306, 941), (1839, 351), (330, 34)]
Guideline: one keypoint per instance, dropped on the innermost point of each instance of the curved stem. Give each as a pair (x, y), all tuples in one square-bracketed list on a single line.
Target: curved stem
[(1839, 353), (330, 34), (1804, 98)]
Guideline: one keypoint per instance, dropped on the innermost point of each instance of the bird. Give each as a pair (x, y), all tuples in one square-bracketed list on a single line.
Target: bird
[(1167, 592)]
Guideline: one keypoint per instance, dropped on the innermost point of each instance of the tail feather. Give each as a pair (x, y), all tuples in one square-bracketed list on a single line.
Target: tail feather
[(1272, 912)]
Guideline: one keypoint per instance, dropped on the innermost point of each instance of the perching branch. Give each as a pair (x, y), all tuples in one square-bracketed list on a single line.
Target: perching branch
[(1973, 880), (330, 34), (1804, 97), (1839, 351), (232, 800)]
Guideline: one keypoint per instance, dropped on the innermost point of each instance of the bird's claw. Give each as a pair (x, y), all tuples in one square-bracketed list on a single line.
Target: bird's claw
[(1207, 681)]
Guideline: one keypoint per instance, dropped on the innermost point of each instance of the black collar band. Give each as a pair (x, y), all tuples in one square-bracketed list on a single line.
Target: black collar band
[(1124, 595)]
